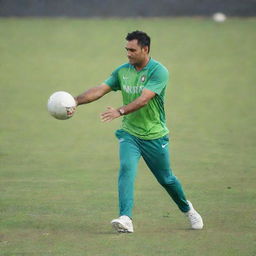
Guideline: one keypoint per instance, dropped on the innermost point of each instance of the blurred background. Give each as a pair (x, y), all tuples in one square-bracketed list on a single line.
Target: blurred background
[(129, 8)]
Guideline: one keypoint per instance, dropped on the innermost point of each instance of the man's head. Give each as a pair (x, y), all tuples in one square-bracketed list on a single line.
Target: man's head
[(138, 47)]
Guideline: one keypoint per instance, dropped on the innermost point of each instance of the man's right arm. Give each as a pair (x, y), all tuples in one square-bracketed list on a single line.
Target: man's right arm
[(92, 94)]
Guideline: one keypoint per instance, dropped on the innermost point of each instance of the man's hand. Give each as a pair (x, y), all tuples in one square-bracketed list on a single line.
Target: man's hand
[(141, 101), (110, 114)]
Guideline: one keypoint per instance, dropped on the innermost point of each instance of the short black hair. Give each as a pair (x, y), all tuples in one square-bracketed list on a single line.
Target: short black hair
[(142, 37)]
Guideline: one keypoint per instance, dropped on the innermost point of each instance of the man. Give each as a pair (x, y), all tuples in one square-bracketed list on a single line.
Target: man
[(142, 82)]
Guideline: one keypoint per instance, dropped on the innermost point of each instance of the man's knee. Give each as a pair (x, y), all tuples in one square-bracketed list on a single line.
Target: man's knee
[(126, 166), (166, 181)]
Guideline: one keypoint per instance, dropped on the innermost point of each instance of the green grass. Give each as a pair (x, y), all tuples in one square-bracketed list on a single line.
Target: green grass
[(58, 178)]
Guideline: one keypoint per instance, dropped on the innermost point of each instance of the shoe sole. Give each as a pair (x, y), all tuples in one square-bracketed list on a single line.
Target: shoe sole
[(120, 228)]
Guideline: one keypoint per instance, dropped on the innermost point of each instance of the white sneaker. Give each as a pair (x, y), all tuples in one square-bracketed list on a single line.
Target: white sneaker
[(123, 224), (194, 217)]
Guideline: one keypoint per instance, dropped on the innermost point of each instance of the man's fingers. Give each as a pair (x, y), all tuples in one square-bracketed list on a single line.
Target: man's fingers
[(109, 114), (105, 116)]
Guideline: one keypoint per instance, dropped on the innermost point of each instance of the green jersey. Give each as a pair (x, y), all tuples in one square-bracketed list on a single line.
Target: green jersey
[(147, 122)]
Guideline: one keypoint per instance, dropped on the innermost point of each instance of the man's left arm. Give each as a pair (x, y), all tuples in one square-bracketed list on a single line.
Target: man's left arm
[(112, 113)]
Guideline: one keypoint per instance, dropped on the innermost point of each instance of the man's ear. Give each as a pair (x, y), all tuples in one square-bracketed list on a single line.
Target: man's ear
[(145, 49)]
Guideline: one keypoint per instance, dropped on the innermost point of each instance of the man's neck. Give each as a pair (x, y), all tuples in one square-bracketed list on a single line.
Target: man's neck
[(140, 66)]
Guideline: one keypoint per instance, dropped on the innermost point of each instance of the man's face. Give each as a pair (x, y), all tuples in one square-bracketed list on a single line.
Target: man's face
[(135, 53)]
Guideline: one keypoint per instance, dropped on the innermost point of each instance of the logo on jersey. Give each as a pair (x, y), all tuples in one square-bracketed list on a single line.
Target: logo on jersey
[(143, 78), (133, 89)]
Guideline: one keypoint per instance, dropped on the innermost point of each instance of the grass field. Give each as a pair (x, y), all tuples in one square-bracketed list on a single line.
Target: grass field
[(58, 178)]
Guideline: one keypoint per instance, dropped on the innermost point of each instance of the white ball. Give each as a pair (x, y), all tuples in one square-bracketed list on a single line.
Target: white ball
[(219, 17), (61, 105)]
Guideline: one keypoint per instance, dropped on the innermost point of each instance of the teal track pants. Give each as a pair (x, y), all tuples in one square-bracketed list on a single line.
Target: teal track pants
[(157, 157)]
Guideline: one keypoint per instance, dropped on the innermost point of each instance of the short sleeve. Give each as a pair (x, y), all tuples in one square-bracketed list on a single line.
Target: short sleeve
[(113, 81), (158, 80)]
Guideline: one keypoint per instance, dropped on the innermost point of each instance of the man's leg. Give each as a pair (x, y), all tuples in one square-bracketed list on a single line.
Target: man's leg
[(129, 154), (157, 157)]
